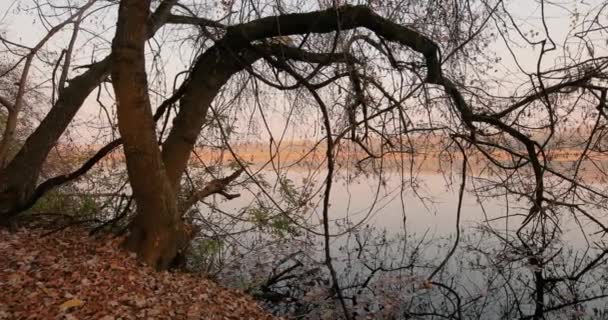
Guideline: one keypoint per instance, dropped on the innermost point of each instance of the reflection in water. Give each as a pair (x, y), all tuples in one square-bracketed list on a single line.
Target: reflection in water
[(390, 234), (429, 209)]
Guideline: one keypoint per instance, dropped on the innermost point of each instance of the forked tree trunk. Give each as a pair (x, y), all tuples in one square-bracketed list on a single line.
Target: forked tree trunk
[(157, 233)]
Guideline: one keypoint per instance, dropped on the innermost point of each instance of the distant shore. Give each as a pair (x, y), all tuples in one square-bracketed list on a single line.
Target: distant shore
[(306, 155)]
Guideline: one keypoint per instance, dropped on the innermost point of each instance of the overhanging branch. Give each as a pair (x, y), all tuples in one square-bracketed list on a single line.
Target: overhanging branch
[(197, 21), (341, 18)]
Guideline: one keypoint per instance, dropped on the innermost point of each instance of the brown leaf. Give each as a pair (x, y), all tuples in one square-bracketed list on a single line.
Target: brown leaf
[(71, 304)]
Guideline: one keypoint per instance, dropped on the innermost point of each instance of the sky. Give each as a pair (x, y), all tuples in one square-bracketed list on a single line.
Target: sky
[(27, 29)]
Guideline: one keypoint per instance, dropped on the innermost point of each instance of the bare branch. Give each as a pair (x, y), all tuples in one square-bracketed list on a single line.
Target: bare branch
[(216, 186), (7, 104), (160, 16), (197, 21)]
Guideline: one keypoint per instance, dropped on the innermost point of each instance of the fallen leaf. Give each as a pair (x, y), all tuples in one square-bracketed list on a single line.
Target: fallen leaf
[(71, 304), (112, 282)]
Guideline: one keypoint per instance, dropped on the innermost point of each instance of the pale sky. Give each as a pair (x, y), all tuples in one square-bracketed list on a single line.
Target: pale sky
[(27, 29)]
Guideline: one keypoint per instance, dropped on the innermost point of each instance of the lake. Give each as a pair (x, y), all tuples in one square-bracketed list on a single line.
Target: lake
[(389, 234)]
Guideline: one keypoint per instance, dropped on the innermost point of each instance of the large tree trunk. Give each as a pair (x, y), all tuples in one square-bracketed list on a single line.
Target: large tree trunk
[(210, 73), (157, 233)]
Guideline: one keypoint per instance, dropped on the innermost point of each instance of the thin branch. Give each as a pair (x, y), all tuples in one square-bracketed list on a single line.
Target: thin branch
[(216, 186)]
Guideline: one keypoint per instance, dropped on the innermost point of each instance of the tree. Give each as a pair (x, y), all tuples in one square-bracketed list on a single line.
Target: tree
[(19, 177), (157, 233), (380, 80)]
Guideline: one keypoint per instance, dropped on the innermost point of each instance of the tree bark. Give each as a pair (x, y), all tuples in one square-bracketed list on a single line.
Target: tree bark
[(210, 73), (157, 234)]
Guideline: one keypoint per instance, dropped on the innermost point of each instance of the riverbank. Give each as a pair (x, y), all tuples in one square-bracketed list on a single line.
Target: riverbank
[(69, 275)]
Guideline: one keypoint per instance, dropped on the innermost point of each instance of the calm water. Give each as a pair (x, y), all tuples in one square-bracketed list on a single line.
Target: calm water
[(402, 220), (424, 205)]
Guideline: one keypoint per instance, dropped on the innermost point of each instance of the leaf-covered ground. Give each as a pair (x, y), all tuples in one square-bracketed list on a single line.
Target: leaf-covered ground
[(69, 275)]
